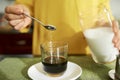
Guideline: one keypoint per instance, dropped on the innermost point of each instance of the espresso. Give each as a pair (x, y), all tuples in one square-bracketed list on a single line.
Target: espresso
[(54, 64)]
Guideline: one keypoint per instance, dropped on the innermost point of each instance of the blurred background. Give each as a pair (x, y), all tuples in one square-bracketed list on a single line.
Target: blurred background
[(13, 42)]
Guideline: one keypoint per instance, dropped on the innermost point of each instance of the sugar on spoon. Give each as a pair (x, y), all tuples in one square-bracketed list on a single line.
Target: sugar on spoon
[(48, 27)]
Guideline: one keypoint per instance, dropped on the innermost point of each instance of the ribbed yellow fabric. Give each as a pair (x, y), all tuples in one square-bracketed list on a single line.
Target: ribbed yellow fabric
[(64, 14)]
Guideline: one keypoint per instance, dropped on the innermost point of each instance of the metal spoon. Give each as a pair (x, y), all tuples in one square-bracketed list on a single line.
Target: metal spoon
[(48, 27)]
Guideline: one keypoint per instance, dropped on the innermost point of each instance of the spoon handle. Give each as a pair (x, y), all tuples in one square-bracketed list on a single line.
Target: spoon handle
[(34, 19), (48, 27)]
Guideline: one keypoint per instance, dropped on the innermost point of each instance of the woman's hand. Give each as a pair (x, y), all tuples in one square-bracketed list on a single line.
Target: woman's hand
[(14, 16), (116, 38)]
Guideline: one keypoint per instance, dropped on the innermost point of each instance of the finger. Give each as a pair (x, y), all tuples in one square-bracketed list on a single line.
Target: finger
[(115, 27), (14, 9), (13, 17), (115, 40), (15, 22), (117, 45), (19, 25), (27, 21), (23, 24)]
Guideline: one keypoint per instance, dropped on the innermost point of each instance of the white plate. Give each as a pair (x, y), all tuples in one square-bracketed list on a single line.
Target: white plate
[(73, 72), (111, 73)]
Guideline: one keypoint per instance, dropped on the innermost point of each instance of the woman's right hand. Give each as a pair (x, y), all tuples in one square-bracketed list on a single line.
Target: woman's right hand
[(116, 38), (14, 16)]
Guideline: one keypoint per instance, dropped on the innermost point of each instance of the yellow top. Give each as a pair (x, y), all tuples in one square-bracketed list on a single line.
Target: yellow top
[(65, 15)]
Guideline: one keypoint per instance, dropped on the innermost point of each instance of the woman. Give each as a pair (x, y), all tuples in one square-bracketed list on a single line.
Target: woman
[(64, 14)]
